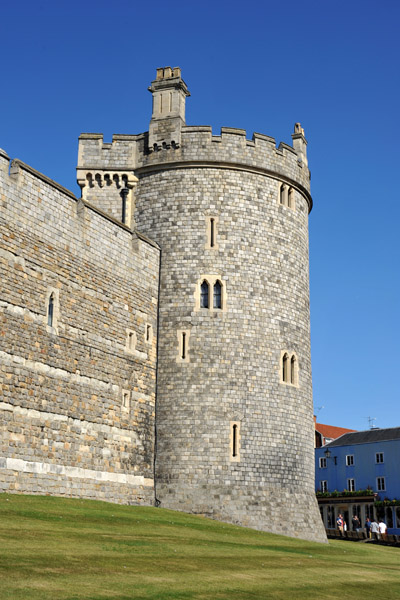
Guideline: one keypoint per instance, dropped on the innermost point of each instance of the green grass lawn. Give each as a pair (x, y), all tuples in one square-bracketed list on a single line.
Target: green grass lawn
[(54, 548)]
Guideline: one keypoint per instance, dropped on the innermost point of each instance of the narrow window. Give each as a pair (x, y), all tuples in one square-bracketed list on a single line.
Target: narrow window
[(291, 198), (217, 294), (130, 340), (148, 333), (323, 485), (212, 233), (282, 195), (204, 294), (50, 311), (349, 460), (285, 365), (183, 355), (379, 457), (322, 462), (125, 399), (293, 370), (234, 441)]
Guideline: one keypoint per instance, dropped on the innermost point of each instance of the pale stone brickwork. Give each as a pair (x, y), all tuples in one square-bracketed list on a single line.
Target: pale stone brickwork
[(234, 441), (63, 426)]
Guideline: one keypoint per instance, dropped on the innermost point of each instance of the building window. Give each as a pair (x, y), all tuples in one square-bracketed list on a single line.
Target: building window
[(282, 194), (322, 462), (183, 352), (148, 333), (323, 486), (50, 310), (217, 294), (331, 516), (126, 400), (183, 345), (293, 370), (289, 369), (349, 460), (291, 198), (351, 485), (210, 293), (286, 196), (380, 484), (379, 457), (285, 361), (369, 511), (130, 340), (211, 233), (397, 516), (204, 289), (234, 441)]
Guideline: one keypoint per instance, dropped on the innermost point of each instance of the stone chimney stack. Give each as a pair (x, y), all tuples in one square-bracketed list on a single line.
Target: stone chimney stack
[(300, 143), (169, 97)]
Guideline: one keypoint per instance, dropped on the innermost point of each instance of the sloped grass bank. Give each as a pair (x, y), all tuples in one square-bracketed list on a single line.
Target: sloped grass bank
[(59, 549)]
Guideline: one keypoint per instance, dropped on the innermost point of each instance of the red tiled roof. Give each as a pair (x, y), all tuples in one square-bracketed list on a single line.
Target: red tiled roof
[(332, 432)]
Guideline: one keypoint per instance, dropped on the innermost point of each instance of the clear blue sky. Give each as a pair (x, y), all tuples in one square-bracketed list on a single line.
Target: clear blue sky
[(70, 67)]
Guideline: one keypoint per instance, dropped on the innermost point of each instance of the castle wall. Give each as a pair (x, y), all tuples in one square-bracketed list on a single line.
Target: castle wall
[(76, 404), (231, 373)]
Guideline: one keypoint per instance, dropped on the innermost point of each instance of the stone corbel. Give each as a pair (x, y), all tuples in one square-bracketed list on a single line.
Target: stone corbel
[(82, 179)]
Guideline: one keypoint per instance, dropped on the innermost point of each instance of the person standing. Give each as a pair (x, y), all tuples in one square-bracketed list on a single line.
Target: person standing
[(339, 522), (355, 521), (382, 529), (374, 528), (368, 527)]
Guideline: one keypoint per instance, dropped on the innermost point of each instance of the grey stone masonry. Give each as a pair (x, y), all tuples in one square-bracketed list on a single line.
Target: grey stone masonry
[(76, 405), (179, 289)]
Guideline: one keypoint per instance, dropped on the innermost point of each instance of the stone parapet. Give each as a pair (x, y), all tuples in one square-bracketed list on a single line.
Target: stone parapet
[(130, 156)]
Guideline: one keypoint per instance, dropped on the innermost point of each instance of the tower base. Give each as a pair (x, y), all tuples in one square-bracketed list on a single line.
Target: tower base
[(280, 511)]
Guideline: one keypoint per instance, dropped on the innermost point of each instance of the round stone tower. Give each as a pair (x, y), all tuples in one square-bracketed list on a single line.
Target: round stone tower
[(234, 410)]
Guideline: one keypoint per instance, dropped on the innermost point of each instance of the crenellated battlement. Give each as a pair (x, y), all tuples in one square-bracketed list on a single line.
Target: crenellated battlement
[(94, 153), (232, 149), (129, 156), (170, 142)]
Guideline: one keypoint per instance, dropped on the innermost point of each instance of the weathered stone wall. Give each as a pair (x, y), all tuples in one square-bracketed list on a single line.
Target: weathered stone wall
[(232, 372), (64, 429)]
